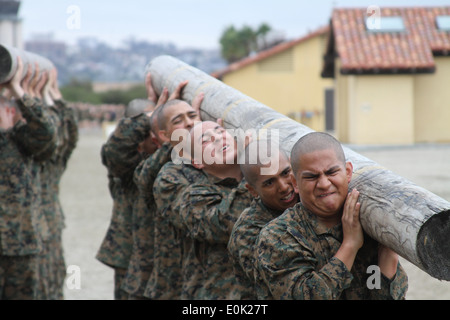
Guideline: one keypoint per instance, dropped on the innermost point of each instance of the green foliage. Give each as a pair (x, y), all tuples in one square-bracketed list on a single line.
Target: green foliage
[(237, 44), (123, 96), (82, 91)]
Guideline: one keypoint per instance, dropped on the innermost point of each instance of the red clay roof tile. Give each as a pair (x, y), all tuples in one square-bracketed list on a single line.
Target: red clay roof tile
[(361, 50)]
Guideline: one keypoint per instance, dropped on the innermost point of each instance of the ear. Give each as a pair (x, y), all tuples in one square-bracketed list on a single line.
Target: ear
[(294, 183), (155, 140), (349, 170), (162, 136), (252, 190)]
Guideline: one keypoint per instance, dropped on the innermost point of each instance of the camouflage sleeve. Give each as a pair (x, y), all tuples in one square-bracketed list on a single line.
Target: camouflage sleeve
[(241, 247), (70, 127), (206, 212), (168, 186), (286, 264), (392, 289), (242, 242), (38, 134), (145, 177), (121, 155), (3, 138)]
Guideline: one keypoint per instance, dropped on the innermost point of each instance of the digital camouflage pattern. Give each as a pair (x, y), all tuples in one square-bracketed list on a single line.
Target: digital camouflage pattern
[(242, 244), (144, 208), (23, 283), (53, 165), (208, 211), (23, 226), (166, 280), (295, 260), (120, 156)]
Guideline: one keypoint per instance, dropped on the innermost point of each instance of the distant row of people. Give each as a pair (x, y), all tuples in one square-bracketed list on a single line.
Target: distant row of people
[(38, 133), (199, 229)]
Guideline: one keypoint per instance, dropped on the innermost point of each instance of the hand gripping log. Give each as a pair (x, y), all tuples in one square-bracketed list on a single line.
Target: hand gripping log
[(410, 220), (8, 62)]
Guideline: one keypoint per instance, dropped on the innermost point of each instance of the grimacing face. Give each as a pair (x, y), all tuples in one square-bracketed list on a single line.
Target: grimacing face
[(275, 190), (322, 182)]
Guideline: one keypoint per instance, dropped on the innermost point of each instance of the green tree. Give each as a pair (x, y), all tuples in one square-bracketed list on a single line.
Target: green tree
[(80, 91), (123, 96), (261, 33), (239, 43)]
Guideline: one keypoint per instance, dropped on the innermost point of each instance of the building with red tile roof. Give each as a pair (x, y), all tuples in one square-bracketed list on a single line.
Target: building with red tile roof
[(362, 49), (391, 70), (375, 75)]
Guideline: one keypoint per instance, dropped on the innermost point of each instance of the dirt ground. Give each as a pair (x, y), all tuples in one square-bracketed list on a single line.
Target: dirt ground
[(87, 205)]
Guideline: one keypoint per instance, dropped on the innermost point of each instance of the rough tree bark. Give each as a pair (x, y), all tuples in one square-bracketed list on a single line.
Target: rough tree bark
[(8, 62), (410, 220)]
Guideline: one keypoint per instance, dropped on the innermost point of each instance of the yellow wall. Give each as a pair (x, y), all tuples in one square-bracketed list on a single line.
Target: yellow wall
[(288, 82), (432, 103), (393, 109), (375, 109)]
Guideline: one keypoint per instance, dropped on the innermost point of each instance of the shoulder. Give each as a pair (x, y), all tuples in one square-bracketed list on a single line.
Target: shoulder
[(287, 227)]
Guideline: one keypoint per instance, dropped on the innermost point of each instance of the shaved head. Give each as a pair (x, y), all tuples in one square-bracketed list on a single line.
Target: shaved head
[(162, 116), (138, 106), (315, 141), (259, 154)]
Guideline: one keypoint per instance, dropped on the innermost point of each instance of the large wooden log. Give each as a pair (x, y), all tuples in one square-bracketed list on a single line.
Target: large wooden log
[(412, 221), (8, 62)]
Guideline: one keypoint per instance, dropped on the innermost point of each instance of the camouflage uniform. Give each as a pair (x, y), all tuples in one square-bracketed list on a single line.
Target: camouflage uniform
[(120, 156), (208, 211), (242, 244), (295, 261), (23, 228), (53, 165), (166, 279), (141, 261)]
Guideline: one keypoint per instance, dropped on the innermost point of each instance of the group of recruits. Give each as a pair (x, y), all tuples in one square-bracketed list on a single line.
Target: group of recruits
[(38, 133), (223, 230)]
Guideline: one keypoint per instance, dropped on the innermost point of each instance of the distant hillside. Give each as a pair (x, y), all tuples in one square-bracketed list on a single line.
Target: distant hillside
[(96, 61)]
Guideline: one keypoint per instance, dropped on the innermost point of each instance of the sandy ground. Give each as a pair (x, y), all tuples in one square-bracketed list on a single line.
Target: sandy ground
[(87, 206)]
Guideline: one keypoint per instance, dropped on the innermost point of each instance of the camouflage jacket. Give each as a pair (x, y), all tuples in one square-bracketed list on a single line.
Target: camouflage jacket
[(53, 164), (120, 156), (22, 225), (166, 279), (242, 244), (295, 260), (120, 152), (208, 212), (143, 235)]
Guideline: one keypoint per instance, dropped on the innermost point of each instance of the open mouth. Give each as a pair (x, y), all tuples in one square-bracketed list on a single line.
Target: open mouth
[(289, 197)]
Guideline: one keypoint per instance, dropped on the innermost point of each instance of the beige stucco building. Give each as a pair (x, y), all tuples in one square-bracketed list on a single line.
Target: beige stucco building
[(368, 79), (391, 85)]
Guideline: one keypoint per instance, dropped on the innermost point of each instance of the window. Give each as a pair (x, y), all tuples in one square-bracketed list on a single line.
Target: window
[(385, 24), (443, 23)]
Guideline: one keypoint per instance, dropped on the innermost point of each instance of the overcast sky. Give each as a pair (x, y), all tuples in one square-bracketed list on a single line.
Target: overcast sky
[(186, 23)]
